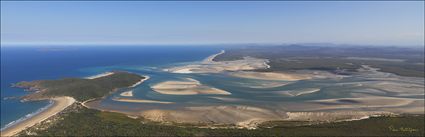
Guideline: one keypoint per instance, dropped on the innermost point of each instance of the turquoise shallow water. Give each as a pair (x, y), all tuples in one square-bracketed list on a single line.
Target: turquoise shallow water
[(32, 63), (42, 62), (243, 91)]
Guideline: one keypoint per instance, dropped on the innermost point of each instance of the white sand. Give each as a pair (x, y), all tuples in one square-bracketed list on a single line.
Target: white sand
[(210, 66), (60, 103), (183, 71), (100, 75), (210, 58), (127, 93), (140, 82), (140, 101), (188, 87)]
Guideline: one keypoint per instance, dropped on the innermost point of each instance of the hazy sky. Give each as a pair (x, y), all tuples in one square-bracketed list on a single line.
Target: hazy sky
[(132, 22)]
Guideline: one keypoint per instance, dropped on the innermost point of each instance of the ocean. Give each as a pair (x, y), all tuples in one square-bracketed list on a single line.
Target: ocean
[(54, 62)]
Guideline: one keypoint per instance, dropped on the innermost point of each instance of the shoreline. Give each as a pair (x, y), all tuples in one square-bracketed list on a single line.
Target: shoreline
[(140, 82), (59, 104), (211, 58), (186, 87), (99, 75)]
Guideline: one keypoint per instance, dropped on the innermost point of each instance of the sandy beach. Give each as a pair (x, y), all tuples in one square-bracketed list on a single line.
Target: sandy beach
[(140, 82), (187, 87), (211, 58), (59, 104), (100, 75)]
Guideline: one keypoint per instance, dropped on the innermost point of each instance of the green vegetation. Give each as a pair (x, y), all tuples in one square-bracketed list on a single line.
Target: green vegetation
[(80, 89), (401, 61), (87, 122)]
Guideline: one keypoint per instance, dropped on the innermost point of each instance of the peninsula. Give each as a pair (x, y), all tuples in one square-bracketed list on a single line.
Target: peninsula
[(64, 92)]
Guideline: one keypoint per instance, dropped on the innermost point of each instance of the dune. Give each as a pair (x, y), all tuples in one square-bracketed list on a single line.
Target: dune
[(188, 87), (59, 104)]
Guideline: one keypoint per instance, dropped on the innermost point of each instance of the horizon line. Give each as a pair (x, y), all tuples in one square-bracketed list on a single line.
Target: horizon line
[(204, 44)]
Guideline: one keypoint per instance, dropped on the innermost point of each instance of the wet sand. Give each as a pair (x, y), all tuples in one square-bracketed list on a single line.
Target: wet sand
[(60, 103), (188, 87), (225, 114), (140, 101), (367, 92), (299, 92), (271, 75)]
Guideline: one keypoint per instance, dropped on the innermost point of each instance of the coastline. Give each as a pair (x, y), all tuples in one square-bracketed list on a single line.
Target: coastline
[(99, 75), (211, 58), (208, 65), (59, 104), (140, 82)]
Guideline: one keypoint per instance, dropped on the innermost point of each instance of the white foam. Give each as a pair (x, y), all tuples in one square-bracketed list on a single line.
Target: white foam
[(27, 116)]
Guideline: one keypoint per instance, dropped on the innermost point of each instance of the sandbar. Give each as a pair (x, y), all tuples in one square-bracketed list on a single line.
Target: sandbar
[(187, 87), (299, 92), (271, 75), (140, 101), (210, 66), (127, 93)]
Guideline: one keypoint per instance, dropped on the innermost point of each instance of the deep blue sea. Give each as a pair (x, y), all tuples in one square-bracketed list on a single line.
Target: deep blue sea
[(55, 62)]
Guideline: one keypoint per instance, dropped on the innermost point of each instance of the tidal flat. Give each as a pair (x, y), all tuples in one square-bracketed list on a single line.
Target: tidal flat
[(230, 92)]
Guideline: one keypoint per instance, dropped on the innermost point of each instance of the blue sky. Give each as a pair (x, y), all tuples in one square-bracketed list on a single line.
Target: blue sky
[(172, 22)]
